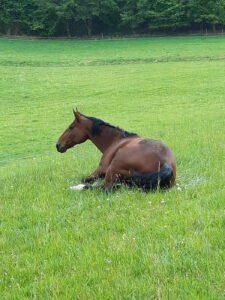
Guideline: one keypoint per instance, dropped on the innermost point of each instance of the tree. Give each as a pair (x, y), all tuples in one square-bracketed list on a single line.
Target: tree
[(205, 13), (11, 15), (160, 14), (87, 17), (129, 11)]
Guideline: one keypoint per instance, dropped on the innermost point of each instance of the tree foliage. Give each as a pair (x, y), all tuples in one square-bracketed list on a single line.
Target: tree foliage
[(93, 17)]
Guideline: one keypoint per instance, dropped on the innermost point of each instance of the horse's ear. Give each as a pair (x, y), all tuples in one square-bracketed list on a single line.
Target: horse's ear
[(76, 114)]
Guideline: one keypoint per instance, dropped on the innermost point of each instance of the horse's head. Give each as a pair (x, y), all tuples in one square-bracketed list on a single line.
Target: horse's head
[(76, 133)]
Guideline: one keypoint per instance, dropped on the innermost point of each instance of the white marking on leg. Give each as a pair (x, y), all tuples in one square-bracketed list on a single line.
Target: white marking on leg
[(78, 187)]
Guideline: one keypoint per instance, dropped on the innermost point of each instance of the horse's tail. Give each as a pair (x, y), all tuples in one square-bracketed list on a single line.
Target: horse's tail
[(151, 181)]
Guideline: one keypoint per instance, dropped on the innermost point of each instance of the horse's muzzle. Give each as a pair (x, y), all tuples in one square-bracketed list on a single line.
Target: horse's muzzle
[(60, 148)]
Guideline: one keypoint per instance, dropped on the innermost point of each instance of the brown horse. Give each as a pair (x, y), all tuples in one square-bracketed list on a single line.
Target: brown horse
[(144, 163)]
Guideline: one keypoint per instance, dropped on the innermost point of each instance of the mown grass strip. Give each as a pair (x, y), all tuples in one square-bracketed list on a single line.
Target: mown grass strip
[(8, 63)]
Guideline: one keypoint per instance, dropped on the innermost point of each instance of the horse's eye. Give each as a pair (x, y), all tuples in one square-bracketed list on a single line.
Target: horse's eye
[(71, 126)]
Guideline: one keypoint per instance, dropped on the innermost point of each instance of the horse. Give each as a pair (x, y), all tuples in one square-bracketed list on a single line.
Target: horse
[(126, 157)]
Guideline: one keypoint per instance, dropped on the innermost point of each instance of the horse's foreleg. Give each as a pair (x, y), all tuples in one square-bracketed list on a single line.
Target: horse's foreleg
[(112, 175), (98, 173)]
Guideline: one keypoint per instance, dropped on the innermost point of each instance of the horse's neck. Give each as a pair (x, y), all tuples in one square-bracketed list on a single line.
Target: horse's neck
[(107, 137)]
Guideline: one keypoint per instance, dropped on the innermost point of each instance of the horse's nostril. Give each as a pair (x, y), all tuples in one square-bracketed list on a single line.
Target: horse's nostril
[(60, 148)]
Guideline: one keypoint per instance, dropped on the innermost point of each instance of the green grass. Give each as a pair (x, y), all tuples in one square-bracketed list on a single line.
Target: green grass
[(96, 52), (60, 244)]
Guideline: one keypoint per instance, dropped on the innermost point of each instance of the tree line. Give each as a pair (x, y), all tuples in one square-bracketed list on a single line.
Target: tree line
[(109, 17)]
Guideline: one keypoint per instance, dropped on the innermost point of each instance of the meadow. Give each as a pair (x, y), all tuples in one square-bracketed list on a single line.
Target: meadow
[(61, 244)]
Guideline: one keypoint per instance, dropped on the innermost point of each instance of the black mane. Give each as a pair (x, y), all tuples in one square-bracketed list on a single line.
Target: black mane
[(98, 124)]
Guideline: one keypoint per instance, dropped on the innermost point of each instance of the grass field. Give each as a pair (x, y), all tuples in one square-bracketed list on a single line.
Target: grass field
[(60, 244)]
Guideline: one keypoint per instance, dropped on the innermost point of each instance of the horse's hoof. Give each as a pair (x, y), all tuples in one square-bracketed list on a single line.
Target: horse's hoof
[(87, 180)]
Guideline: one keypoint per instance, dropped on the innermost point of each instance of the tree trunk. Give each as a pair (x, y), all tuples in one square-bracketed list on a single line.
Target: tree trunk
[(13, 29), (88, 25), (68, 29)]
